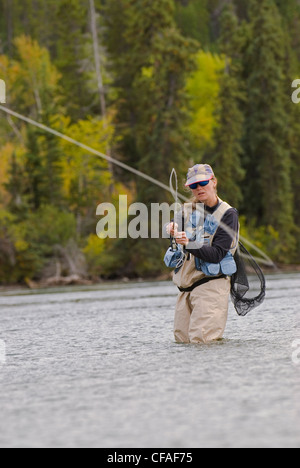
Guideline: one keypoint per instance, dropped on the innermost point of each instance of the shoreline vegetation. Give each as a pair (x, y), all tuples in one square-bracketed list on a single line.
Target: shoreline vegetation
[(155, 85), (76, 280)]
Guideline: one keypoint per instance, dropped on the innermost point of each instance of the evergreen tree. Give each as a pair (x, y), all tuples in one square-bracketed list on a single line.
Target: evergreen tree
[(162, 111), (295, 170), (129, 40), (227, 156), (150, 60), (42, 169), (51, 156), (289, 10), (34, 173), (15, 186), (291, 22), (70, 57), (34, 18), (268, 190), (192, 17)]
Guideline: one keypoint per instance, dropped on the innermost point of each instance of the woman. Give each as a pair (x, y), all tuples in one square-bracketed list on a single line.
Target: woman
[(204, 278)]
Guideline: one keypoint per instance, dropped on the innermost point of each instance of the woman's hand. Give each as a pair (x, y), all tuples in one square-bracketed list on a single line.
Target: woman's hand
[(181, 238), (172, 229)]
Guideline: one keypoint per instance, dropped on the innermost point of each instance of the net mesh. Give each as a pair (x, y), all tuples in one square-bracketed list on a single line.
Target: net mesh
[(248, 284)]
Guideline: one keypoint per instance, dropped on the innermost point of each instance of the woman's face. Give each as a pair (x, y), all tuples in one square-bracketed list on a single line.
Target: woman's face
[(207, 194)]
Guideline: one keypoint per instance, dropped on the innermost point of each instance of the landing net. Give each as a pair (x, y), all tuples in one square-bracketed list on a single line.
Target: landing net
[(248, 284)]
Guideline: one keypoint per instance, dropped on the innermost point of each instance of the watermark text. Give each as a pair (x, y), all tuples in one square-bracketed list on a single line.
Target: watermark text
[(296, 353), (2, 92), (2, 352), (296, 93), (149, 222)]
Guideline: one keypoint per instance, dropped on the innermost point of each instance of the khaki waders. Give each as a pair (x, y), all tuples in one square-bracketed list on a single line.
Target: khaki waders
[(201, 315), (202, 310)]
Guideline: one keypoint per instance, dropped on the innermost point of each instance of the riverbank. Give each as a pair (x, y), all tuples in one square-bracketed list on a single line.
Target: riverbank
[(76, 280)]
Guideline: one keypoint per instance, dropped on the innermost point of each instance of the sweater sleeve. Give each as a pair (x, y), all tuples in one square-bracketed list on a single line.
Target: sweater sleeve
[(221, 242)]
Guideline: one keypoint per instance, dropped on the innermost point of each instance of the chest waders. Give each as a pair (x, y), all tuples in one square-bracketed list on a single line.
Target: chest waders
[(202, 304)]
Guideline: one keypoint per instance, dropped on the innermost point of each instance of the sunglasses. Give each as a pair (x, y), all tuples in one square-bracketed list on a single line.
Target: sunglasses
[(202, 184)]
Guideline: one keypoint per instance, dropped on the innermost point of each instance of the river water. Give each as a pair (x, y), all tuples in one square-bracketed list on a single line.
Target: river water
[(98, 367)]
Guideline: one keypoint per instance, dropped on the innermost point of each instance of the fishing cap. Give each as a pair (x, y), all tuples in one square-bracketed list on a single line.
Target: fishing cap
[(199, 173)]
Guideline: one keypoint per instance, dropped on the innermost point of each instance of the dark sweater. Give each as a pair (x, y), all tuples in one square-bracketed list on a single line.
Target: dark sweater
[(222, 241)]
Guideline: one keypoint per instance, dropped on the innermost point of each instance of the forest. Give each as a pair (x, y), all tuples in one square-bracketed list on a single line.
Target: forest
[(155, 84)]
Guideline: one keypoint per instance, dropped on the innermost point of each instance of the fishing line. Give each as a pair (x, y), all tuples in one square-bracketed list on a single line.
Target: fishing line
[(264, 260), (88, 148)]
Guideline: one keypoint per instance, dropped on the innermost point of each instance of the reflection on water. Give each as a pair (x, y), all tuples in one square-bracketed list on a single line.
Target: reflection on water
[(98, 367)]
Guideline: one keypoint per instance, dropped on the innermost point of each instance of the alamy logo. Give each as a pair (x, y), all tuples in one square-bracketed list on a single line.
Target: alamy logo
[(296, 353), (2, 92), (149, 222), (144, 225), (295, 95)]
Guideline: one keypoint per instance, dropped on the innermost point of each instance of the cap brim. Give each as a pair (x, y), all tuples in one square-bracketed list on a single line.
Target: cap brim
[(197, 181)]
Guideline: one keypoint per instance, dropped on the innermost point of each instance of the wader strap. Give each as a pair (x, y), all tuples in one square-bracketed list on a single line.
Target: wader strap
[(200, 282)]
